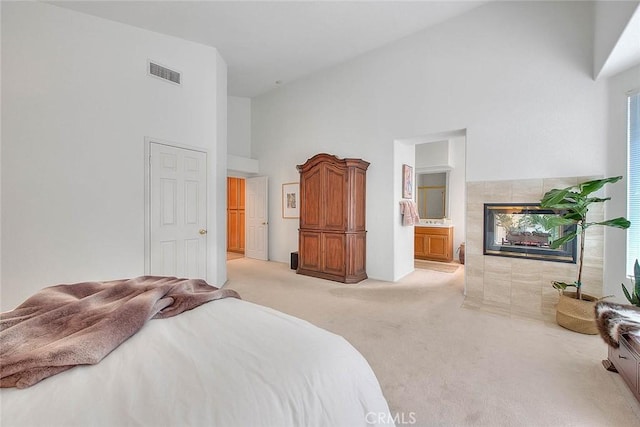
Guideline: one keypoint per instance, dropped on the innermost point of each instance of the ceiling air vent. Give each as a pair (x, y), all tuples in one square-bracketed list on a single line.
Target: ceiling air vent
[(164, 73)]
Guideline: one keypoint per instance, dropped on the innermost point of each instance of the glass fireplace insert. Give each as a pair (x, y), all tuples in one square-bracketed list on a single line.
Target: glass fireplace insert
[(523, 231)]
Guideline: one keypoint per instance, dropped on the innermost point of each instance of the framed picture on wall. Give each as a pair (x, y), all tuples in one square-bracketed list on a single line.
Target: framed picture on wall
[(291, 200), (407, 182)]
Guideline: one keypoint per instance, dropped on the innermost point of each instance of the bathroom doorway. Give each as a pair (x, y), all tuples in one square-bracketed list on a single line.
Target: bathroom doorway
[(439, 153)]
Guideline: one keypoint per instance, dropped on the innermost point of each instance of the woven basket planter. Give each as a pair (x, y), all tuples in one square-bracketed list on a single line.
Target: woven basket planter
[(577, 315)]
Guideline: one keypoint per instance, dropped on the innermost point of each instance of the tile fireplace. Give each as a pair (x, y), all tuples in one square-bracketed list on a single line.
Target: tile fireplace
[(516, 285)]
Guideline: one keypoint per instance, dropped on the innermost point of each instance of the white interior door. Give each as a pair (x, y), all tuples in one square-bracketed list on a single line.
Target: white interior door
[(178, 212), (257, 221)]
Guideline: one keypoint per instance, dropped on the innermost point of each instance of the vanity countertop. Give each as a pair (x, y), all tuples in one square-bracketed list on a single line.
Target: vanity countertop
[(433, 224)]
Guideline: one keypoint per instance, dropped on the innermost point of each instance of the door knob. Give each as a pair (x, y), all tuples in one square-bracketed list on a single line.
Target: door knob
[(203, 231)]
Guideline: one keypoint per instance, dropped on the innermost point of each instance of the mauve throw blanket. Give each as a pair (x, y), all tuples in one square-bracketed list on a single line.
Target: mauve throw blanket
[(67, 325)]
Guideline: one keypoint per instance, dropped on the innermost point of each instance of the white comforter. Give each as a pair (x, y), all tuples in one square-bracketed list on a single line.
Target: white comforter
[(226, 363)]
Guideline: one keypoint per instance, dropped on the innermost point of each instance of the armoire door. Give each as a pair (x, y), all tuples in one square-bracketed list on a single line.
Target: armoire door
[(333, 253), (311, 199), (310, 251), (335, 198)]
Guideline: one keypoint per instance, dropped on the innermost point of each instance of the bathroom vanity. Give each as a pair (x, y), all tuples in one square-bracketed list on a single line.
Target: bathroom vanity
[(433, 241)]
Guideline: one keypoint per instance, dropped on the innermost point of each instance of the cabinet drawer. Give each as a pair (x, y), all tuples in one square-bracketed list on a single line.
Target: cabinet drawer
[(625, 361), (438, 231)]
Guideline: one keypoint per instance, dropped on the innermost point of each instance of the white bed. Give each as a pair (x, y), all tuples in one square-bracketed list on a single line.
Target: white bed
[(225, 363)]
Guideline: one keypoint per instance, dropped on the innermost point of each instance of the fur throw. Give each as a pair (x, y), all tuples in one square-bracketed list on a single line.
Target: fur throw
[(614, 320), (63, 326)]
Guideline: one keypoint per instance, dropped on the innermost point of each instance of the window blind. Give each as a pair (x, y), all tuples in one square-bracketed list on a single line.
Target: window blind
[(633, 189)]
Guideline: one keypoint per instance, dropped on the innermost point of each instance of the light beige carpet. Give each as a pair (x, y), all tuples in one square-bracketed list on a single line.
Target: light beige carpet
[(233, 255), (436, 266), (446, 365)]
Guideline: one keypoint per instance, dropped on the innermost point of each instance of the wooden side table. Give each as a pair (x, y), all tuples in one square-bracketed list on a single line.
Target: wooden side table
[(626, 361)]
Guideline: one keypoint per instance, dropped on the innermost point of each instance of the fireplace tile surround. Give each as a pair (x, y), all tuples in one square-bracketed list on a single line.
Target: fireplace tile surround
[(517, 286)]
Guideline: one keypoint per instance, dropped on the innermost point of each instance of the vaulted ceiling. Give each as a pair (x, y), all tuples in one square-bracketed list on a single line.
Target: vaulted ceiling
[(264, 42), (269, 43)]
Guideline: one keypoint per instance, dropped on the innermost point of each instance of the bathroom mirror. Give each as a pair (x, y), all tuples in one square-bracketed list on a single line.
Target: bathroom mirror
[(432, 195)]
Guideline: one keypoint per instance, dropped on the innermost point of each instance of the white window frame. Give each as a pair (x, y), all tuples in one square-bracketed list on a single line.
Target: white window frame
[(633, 178)]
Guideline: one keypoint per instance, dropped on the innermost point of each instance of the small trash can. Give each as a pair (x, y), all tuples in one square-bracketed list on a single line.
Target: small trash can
[(461, 253), (294, 260)]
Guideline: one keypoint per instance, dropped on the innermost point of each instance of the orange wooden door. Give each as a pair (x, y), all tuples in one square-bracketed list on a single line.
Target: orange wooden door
[(235, 214)]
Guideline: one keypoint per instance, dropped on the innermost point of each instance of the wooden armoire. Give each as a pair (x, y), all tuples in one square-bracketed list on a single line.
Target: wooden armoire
[(332, 236)]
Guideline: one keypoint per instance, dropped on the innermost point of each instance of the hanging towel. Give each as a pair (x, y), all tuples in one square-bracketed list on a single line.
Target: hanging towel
[(409, 212)]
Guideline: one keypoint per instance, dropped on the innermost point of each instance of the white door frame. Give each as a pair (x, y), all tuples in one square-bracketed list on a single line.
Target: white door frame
[(147, 193)]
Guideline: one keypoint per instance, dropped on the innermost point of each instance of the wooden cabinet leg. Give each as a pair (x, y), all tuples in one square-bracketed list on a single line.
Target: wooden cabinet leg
[(609, 366)]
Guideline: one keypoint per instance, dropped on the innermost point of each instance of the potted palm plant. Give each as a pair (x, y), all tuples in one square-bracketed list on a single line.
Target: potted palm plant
[(634, 296), (575, 310)]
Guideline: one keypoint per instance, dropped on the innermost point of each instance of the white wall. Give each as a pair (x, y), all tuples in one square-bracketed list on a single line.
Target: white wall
[(239, 126), (76, 107), (217, 243), (515, 75), (1, 244), (239, 161), (457, 190), (403, 153), (615, 240), (432, 155)]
